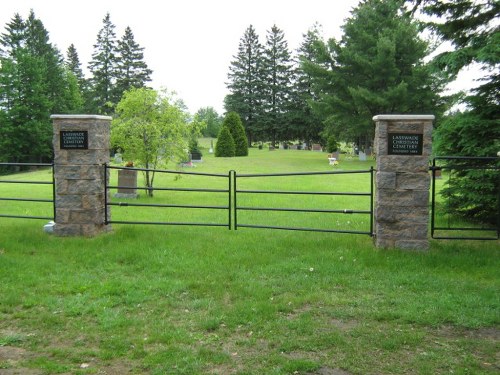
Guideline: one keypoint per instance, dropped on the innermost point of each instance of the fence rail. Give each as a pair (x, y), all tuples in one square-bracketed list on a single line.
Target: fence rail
[(227, 191), (463, 163), (369, 211), (29, 182)]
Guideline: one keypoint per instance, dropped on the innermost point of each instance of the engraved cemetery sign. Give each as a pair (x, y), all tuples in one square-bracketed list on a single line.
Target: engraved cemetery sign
[(405, 144), (74, 140)]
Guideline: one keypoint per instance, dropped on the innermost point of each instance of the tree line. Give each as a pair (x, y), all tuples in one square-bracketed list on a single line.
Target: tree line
[(36, 80), (334, 87)]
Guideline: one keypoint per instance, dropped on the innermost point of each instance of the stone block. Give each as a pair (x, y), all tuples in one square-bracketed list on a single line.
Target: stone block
[(402, 163), (66, 230), (385, 180), (412, 244), (412, 181)]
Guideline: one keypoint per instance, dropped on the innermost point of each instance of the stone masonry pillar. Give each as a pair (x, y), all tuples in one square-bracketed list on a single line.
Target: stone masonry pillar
[(403, 146), (81, 147)]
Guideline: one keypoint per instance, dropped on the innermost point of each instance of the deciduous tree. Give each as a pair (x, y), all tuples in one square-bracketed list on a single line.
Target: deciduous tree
[(151, 128)]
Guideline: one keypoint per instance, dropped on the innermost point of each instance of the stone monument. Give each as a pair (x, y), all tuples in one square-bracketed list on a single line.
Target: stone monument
[(403, 146), (81, 148)]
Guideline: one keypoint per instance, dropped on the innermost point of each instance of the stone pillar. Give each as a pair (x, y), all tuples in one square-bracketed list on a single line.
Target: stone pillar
[(81, 147), (403, 146)]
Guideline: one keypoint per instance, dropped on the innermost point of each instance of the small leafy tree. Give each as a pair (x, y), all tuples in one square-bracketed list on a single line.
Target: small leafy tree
[(233, 122), (225, 144), (151, 128)]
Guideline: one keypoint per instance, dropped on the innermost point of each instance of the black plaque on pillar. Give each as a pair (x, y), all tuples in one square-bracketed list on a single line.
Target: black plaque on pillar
[(74, 140), (405, 144)]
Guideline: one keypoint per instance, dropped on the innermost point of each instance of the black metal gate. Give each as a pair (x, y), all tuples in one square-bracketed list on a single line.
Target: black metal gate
[(446, 171), (233, 195), (166, 218), (50, 199), (292, 211)]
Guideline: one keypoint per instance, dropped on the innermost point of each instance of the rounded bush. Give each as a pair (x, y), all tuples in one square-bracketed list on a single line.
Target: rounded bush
[(225, 144)]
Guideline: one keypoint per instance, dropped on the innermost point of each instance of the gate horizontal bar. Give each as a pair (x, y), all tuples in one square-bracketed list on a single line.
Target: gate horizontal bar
[(464, 229), (26, 164), (300, 173), (303, 210), (169, 171), (170, 189), (25, 182), (466, 238), (302, 192), (27, 200), (167, 223), (27, 217), (126, 204), (303, 229)]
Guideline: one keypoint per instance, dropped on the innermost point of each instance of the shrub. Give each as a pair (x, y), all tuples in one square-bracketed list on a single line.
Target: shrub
[(225, 144), (332, 145), (233, 122)]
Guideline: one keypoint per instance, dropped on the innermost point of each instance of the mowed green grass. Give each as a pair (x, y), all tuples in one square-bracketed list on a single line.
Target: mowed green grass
[(149, 299)]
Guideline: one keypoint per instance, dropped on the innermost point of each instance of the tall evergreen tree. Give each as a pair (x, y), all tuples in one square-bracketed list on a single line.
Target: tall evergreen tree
[(74, 66), (103, 69), (34, 84), (245, 83), (276, 78), (472, 28), (377, 67), (131, 69), (302, 122)]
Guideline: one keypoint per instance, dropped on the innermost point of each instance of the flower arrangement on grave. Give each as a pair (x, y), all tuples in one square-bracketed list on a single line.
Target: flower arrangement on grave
[(129, 164)]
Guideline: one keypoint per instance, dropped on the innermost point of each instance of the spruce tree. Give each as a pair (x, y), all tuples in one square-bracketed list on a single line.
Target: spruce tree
[(276, 78), (131, 69), (34, 85), (473, 30), (377, 67), (302, 122), (245, 83), (74, 66), (103, 69), (233, 122), (225, 146)]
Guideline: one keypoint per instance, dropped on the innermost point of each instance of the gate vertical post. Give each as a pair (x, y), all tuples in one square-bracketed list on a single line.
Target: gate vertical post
[(81, 147), (403, 147)]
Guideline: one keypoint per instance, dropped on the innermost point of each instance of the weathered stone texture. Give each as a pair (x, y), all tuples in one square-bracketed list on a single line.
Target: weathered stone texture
[(79, 176), (402, 185)]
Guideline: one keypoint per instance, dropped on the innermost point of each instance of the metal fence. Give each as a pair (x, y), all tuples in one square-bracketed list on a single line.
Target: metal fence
[(444, 224), (342, 211), (166, 206), (28, 182)]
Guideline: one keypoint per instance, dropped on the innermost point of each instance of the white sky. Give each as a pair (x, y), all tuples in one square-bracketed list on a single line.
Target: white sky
[(189, 44)]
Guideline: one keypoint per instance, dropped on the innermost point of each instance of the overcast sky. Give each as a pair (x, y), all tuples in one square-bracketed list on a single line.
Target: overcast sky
[(189, 44)]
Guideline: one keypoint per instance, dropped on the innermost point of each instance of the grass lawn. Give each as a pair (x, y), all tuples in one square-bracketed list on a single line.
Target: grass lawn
[(201, 300)]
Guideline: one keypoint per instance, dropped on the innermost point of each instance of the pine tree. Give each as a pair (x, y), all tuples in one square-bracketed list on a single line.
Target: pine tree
[(74, 66), (225, 146), (245, 84), (377, 67), (276, 76), (472, 28), (14, 38), (103, 69), (233, 122), (302, 122), (131, 69), (34, 85)]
